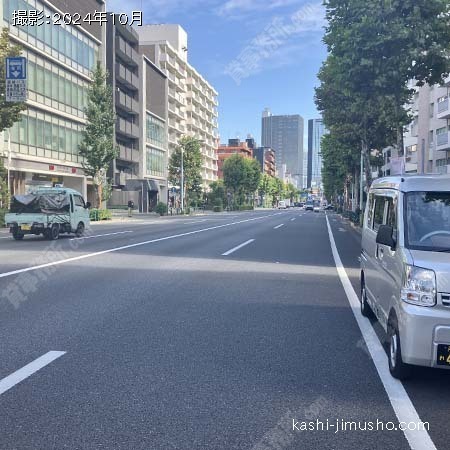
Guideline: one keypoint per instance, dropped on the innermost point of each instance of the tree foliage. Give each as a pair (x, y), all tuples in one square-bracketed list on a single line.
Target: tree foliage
[(97, 146), (192, 166), (241, 177), (375, 48), (9, 112)]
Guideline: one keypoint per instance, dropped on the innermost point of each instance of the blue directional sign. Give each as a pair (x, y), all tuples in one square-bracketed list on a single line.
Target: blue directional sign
[(16, 68), (16, 79)]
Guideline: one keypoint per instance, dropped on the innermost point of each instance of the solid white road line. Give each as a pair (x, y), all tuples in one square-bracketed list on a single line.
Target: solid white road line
[(101, 235), (125, 247), (28, 370), (279, 226), (194, 221), (229, 252), (400, 401), (292, 219)]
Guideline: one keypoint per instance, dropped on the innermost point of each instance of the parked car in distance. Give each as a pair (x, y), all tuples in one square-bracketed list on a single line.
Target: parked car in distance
[(316, 208), (329, 208), (282, 204), (405, 268)]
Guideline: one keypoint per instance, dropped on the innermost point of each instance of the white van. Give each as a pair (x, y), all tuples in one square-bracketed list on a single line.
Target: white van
[(405, 268)]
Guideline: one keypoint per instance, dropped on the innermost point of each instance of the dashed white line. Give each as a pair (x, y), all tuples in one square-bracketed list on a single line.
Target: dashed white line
[(292, 219), (418, 439), (125, 247), (278, 226), (28, 370), (229, 252), (101, 235)]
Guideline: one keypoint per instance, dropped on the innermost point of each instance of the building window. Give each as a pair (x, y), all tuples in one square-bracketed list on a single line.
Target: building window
[(156, 131), (156, 162), (431, 110)]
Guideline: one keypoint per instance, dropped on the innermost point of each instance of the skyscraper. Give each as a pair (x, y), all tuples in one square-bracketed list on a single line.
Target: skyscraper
[(285, 135), (316, 130)]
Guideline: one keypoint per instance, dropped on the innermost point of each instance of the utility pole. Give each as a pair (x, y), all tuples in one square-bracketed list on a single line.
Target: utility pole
[(361, 189), (182, 180)]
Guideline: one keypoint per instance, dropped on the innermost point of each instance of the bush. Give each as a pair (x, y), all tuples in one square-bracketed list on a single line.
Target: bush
[(217, 208), (161, 208), (246, 208), (100, 214)]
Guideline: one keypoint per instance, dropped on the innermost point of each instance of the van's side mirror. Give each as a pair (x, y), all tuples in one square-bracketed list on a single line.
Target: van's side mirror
[(88, 205), (385, 236)]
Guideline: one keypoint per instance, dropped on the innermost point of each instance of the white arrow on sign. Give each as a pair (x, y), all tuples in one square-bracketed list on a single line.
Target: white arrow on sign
[(15, 73)]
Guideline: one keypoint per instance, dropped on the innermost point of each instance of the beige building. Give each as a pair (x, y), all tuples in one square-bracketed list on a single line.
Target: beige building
[(427, 138), (192, 101)]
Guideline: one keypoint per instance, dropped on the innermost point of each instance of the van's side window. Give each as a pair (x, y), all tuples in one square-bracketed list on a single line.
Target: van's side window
[(391, 218), (78, 201), (378, 214)]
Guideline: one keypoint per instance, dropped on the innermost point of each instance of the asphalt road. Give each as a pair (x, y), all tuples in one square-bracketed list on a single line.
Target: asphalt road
[(176, 335)]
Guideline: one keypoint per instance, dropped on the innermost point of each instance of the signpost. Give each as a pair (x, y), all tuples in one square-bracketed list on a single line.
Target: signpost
[(16, 79)]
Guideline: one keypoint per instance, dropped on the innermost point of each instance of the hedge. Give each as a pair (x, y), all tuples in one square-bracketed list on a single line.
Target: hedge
[(100, 214)]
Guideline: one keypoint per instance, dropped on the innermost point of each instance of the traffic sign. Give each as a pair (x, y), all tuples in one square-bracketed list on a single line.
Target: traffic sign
[(16, 79)]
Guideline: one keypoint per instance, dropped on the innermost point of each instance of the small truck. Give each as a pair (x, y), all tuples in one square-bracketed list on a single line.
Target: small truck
[(48, 211)]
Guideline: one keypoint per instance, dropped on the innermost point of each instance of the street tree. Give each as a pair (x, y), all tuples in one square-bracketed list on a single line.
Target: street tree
[(9, 112), (234, 176), (190, 148), (253, 177), (97, 146)]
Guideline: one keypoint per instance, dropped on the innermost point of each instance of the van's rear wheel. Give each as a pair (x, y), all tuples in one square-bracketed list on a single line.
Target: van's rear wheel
[(397, 367), (80, 230)]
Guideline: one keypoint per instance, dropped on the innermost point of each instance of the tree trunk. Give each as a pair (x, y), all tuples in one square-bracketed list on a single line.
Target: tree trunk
[(367, 165), (99, 195)]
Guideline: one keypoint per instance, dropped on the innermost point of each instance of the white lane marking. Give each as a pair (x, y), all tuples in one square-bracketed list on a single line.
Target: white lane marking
[(292, 219), (101, 235), (400, 401), (229, 252), (194, 221), (278, 226), (5, 237), (124, 247), (28, 370)]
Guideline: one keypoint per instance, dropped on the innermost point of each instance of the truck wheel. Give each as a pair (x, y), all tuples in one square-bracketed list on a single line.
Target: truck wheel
[(53, 232), (80, 230), (397, 367), (17, 236), (365, 308)]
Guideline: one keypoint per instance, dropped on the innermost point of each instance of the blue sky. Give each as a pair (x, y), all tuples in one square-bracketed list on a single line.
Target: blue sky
[(256, 53)]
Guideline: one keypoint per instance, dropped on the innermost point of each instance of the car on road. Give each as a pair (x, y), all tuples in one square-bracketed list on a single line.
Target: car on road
[(405, 268), (316, 208), (48, 211), (309, 206), (282, 204)]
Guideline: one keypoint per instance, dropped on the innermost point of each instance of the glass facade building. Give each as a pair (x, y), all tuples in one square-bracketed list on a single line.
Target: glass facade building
[(60, 59), (156, 144), (316, 129)]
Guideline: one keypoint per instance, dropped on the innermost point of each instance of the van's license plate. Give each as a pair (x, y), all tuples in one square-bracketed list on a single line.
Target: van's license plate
[(25, 227), (443, 355)]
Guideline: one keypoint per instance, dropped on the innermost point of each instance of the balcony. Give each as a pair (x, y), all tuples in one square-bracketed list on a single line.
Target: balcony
[(443, 110), (173, 94), (128, 154), (127, 77), (126, 52), (179, 113), (127, 103), (127, 128), (442, 141)]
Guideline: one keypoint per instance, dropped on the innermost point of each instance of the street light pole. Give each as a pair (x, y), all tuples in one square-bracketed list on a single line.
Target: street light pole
[(361, 191), (182, 180)]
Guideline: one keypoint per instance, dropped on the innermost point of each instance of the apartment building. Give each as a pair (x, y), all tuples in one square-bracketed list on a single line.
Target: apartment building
[(426, 140), (266, 158), (42, 149), (192, 101), (122, 62), (284, 134), (234, 146)]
